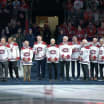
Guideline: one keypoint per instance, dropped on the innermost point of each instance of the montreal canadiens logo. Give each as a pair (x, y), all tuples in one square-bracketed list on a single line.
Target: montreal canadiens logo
[(52, 52), (81, 53), (76, 50), (2, 51), (26, 54), (39, 49), (101, 52), (93, 52), (65, 50)]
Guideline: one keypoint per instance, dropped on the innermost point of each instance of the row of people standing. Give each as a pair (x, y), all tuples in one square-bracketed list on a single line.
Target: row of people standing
[(52, 57)]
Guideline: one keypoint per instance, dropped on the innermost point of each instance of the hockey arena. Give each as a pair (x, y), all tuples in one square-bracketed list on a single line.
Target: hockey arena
[(51, 51)]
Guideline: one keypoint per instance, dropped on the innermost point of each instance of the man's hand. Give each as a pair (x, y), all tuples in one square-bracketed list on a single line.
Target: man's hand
[(26, 60), (52, 60)]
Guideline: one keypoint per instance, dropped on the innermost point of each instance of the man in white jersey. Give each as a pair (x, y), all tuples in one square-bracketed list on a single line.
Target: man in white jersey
[(4, 53), (84, 58), (101, 59), (65, 57), (53, 59), (39, 49), (26, 56), (13, 57), (94, 51), (75, 55)]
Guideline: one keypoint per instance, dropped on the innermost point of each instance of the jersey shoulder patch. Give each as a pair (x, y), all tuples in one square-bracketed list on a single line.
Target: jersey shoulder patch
[(44, 43), (57, 46), (70, 43), (8, 45), (48, 46), (60, 44), (35, 43), (22, 48), (87, 47), (30, 48), (15, 44)]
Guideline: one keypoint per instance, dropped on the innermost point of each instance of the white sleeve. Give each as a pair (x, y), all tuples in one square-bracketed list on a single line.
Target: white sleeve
[(58, 53), (34, 49), (18, 52), (31, 54), (97, 52), (8, 51), (22, 55), (47, 53), (73, 46)]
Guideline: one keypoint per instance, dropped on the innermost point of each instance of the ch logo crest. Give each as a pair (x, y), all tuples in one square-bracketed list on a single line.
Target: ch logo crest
[(65, 50), (2, 51)]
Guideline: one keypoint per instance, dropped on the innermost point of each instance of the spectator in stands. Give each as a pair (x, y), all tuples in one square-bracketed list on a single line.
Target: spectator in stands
[(36, 30), (90, 31), (12, 26), (19, 37), (78, 4), (24, 5), (96, 16), (16, 4), (56, 32), (7, 32), (100, 30), (69, 7), (30, 37), (101, 4), (88, 16), (72, 30), (80, 33), (21, 18), (64, 28), (60, 37), (77, 16), (3, 3), (46, 34)]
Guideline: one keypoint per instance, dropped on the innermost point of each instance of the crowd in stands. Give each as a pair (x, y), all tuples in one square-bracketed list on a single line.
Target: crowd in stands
[(83, 18), (12, 17)]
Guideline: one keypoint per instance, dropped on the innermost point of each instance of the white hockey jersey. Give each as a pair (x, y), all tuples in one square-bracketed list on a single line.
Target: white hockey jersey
[(76, 51), (52, 53), (101, 55), (65, 51), (84, 55), (26, 53), (94, 51), (14, 52), (4, 52), (39, 50)]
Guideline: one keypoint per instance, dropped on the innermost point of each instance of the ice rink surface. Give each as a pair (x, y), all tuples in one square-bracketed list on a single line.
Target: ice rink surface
[(52, 94)]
